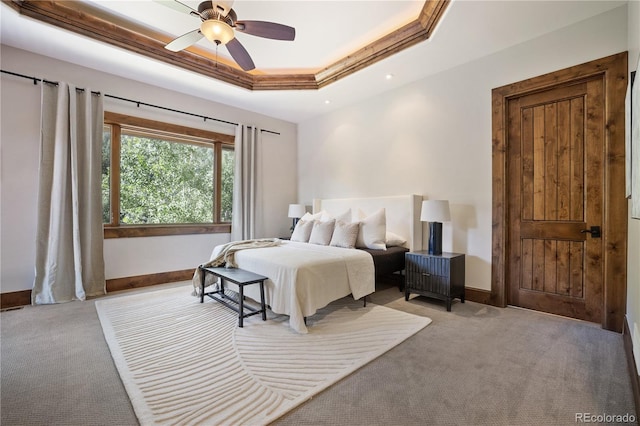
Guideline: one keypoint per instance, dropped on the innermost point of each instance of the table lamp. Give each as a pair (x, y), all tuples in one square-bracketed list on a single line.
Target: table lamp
[(435, 212), (296, 211)]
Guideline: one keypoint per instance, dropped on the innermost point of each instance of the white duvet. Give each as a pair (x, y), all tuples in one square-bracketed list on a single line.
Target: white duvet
[(306, 277)]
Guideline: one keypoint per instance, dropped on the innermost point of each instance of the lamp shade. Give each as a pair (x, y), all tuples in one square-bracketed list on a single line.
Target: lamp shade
[(435, 211), (297, 210)]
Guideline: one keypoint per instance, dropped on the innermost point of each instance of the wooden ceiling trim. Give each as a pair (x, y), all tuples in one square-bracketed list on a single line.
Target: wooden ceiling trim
[(59, 14), (431, 13), (394, 42), (285, 82)]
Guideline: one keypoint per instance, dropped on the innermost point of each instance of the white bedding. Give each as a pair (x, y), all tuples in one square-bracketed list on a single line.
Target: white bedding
[(305, 277)]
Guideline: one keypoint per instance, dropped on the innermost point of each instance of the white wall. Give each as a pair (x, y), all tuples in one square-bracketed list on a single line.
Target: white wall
[(20, 123), (433, 136), (633, 265)]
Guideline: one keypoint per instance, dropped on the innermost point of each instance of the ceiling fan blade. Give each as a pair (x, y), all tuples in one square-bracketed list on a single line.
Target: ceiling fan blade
[(267, 30), (180, 7), (240, 54), (184, 41)]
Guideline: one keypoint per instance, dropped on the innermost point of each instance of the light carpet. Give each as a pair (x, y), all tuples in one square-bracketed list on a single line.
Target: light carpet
[(183, 362)]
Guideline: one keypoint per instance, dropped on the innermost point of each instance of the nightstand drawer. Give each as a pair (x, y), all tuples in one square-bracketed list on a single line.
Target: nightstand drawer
[(428, 265), (429, 283)]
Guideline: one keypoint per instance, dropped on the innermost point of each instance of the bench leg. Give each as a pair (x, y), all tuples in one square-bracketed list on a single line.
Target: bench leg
[(262, 305), (241, 303), (202, 274)]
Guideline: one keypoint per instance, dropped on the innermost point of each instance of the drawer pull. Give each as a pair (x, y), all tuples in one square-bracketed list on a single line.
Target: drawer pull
[(426, 275)]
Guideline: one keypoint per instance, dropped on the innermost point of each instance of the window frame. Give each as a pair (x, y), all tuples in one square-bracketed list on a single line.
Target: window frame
[(115, 229)]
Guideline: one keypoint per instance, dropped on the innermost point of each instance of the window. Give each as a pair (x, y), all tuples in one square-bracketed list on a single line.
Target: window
[(161, 179)]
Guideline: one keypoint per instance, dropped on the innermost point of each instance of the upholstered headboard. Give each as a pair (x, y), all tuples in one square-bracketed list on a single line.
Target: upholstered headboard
[(402, 213)]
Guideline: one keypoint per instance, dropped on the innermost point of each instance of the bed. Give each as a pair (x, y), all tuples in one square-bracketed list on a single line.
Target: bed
[(305, 277)]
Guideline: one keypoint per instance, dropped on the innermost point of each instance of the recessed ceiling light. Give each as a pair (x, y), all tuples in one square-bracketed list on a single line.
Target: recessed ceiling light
[(327, 101), (388, 76)]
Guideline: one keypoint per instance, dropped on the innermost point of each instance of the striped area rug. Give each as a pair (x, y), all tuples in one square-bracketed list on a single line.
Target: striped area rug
[(186, 363)]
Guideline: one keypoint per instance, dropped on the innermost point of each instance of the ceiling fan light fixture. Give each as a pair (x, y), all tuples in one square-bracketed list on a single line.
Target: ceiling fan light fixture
[(217, 31)]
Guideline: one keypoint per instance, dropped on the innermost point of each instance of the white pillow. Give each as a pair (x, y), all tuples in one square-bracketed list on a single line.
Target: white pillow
[(311, 217), (373, 229), (302, 231), (345, 234), (392, 240), (322, 232), (344, 217)]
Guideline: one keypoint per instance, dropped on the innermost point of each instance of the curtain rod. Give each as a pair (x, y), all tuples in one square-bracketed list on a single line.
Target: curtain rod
[(138, 103)]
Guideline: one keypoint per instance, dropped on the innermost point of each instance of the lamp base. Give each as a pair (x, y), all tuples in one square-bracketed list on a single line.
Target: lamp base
[(435, 238)]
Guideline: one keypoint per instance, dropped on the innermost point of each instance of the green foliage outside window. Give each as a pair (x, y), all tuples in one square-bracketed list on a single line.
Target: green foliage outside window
[(164, 182)]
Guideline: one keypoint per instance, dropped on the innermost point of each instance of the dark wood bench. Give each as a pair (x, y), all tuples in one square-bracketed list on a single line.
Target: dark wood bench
[(241, 278)]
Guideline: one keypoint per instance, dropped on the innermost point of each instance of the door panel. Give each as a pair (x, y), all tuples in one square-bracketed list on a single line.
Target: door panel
[(556, 178)]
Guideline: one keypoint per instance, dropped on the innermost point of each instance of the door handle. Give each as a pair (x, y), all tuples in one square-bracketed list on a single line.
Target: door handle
[(594, 231)]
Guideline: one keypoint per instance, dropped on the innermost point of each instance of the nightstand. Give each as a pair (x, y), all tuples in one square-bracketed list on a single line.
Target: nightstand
[(438, 276)]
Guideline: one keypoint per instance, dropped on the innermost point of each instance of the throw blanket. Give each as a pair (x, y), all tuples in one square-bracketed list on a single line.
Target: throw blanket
[(224, 255)]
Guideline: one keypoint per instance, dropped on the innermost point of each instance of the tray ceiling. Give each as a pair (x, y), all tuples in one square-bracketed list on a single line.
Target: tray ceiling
[(342, 51)]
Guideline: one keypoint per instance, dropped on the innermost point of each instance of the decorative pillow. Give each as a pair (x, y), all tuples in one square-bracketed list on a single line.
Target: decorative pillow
[(373, 229), (322, 232), (393, 240), (311, 217), (302, 231), (344, 217), (345, 234)]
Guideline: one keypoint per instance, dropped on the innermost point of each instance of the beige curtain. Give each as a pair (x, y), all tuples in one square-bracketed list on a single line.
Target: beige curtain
[(69, 251), (246, 196)]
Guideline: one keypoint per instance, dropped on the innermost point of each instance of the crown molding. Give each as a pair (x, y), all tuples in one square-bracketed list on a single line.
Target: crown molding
[(64, 14)]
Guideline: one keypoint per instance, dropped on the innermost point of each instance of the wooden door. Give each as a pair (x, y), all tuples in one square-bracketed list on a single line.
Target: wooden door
[(558, 152), (556, 194)]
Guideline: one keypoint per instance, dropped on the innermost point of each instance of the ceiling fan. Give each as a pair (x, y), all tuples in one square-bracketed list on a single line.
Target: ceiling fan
[(219, 23)]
